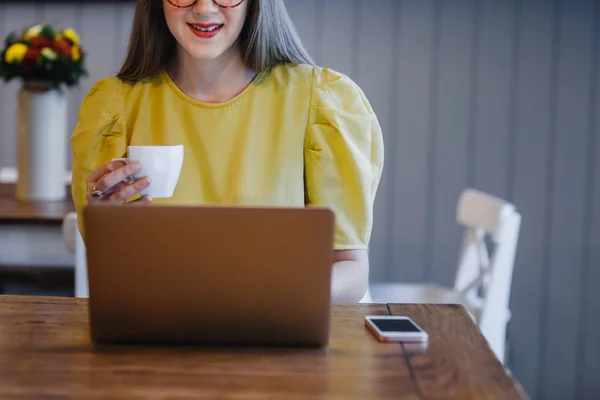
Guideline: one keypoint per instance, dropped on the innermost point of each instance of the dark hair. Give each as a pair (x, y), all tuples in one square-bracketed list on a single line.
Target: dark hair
[(268, 38)]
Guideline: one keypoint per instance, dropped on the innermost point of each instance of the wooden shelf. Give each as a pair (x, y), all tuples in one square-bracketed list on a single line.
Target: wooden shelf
[(15, 212)]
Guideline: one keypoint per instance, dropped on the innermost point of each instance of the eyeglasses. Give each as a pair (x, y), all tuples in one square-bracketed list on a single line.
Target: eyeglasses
[(220, 3)]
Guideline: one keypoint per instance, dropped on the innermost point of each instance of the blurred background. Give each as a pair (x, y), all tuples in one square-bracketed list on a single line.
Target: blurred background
[(497, 95)]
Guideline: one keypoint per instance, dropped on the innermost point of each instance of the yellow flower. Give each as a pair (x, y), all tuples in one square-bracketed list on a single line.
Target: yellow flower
[(32, 32), (16, 52), (75, 53), (49, 53), (71, 35)]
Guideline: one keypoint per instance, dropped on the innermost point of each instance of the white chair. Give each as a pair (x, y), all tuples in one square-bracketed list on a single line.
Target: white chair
[(75, 245), (483, 282)]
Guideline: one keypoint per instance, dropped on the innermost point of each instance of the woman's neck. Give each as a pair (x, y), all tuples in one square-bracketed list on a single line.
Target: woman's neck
[(211, 81)]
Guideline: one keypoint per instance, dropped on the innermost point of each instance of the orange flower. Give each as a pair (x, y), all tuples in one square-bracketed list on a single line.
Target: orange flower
[(32, 54), (40, 42), (62, 47)]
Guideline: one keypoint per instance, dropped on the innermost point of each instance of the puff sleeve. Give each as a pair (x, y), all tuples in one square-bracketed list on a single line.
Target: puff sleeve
[(343, 155), (99, 136)]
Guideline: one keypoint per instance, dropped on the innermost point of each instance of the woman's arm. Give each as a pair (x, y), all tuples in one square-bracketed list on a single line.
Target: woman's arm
[(343, 162), (350, 275)]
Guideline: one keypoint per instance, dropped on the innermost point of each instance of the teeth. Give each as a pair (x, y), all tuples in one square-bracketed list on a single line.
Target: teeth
[(212, 28)]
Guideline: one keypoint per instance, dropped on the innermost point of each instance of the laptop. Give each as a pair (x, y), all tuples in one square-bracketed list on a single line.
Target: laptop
[(209, 275)]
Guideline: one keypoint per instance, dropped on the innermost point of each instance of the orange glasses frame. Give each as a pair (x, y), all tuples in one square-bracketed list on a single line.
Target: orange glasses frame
[(214, 1)]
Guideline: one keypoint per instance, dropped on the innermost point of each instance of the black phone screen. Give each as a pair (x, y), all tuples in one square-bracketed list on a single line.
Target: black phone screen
[(394, 325)]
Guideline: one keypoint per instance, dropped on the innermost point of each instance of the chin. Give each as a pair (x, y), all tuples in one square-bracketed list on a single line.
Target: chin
[(204, 52), (205, 55)]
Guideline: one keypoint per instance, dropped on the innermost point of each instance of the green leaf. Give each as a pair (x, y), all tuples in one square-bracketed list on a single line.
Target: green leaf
[(47, 31), (10, 39)]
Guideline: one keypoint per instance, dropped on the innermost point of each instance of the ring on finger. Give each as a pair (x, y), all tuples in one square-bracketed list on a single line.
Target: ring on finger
[(97, 193)]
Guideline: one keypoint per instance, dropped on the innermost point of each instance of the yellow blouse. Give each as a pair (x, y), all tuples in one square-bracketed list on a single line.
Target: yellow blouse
[(297, 135)]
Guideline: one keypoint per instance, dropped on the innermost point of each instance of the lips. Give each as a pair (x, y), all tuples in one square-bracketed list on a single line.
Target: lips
[(205, 31)]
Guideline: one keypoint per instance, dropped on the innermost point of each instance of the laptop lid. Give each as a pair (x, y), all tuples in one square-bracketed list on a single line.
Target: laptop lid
[(209, 275)]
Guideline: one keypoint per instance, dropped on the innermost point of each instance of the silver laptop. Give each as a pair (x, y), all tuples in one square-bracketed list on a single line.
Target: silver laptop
[(209, 275)]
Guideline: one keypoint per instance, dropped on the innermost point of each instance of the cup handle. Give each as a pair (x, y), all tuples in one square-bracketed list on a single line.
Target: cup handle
[(129, 179)]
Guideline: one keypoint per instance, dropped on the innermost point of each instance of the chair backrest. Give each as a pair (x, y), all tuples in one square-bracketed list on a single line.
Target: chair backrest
[(74, 243), (484, 279)]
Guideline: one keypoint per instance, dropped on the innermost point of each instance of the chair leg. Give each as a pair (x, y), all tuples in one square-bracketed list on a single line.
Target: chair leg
[(81, 278)]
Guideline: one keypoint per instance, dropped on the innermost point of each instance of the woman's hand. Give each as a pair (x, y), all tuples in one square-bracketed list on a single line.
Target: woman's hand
[(113, 182)]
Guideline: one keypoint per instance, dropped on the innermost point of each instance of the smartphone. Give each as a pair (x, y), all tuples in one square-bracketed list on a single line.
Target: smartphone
[(391, 328)]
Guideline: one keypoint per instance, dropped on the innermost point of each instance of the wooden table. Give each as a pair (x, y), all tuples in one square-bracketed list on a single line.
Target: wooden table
[(45, 352)]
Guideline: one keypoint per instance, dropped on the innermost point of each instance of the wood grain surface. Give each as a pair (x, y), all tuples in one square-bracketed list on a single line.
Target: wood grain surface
[(459, 362), (45, 352), (15, 212)]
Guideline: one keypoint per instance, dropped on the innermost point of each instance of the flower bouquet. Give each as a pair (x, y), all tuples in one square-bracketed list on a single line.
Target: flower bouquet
[(45, 61), (43, 57)]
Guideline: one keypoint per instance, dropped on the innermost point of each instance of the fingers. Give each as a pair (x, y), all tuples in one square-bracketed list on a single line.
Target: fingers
[(129, 190), (116, 188), (109, 175), (115, 180), (103, 170)]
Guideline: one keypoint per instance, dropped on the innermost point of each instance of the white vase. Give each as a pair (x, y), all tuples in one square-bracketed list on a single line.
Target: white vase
[(41, 144)]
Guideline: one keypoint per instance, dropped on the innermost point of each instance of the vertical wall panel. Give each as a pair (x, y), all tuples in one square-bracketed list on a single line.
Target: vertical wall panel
[(304, 15), (571, 137), (410, 169), (589, 365), (338, 31), (16, 18), (449, 161), (99, 29), (375, 78), (493, 97), (588, 361), (125, 13), (529, 187)]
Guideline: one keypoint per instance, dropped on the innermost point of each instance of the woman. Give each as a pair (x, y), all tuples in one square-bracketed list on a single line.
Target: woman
[(260, 124)]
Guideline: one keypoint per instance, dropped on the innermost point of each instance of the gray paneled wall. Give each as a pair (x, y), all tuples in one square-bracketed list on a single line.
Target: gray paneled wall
[(501, 95)]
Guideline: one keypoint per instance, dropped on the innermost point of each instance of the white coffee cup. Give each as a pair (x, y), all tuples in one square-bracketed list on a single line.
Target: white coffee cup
[(162, 164)]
